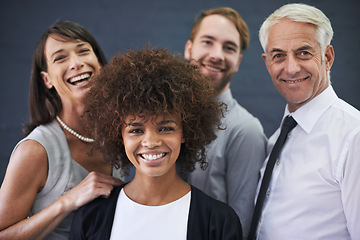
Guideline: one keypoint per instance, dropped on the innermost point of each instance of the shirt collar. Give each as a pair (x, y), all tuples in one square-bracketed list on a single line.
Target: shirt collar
[(225, 97), (306, 116)]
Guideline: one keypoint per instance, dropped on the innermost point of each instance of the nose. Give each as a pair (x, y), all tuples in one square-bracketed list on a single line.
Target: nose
[(75, 62), (151, 140), (216, 53), (292, 65)]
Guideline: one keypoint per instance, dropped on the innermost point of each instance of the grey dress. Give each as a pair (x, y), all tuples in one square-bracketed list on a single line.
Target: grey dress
[(63, 173)]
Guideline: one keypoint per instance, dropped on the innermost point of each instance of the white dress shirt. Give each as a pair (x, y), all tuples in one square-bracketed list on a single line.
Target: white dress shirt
[(314, 192)]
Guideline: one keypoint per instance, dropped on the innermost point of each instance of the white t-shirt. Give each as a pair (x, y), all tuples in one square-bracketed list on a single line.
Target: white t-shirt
[(135, 221)]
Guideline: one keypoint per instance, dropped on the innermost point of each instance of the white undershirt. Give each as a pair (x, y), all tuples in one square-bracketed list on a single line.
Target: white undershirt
[(135, 221)]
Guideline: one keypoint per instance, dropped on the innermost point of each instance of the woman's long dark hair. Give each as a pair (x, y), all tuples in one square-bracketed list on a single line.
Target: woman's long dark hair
[(44, 103)]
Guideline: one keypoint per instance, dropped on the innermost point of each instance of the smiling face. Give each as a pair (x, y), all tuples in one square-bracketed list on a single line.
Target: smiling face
[(216, 50), (70, 65), (153, 145), (294, 60)]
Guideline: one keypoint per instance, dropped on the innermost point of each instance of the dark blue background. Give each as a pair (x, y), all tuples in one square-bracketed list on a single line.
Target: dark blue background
[(121, 25)]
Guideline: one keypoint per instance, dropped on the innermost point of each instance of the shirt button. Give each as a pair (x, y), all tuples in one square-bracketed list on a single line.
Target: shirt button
[(268, 193), (277, 162)]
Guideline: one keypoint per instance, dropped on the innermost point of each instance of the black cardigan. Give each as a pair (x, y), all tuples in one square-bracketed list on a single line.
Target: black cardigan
[(209, 219)]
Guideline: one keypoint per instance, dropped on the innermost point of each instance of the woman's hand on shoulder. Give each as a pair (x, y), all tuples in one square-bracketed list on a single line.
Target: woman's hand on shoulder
[(93, 186)]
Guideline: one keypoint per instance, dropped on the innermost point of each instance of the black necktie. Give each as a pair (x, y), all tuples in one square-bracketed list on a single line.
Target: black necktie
[(288, 125)]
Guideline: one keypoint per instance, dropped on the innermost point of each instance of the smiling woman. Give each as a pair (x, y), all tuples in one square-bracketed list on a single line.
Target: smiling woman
[(153, 145), (155, 111), (70, 64), (53, 170)]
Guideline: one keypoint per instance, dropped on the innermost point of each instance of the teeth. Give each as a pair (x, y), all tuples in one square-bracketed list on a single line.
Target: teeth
[(296, 81), (292, 81), (79, 78), (213, 69), (153, 157)]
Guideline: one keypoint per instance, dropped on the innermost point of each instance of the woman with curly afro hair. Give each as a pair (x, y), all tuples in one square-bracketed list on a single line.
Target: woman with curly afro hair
[(153, 110)]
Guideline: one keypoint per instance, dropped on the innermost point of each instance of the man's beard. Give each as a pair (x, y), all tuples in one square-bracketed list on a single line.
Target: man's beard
[(218, 86), (222, 84)]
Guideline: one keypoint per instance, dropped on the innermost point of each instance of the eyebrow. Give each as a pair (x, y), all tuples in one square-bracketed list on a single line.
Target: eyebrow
[(306, 47), (226, 42), (139, 124), (61, 50), (166, 122), (276, 50), (134, 124), (58, 51)]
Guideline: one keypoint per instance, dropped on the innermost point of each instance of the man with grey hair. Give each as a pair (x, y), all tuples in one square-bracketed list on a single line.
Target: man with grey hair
[(311, 189)]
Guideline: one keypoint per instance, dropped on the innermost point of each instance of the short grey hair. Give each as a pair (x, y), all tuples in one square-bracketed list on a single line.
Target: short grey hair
[(299, 13)]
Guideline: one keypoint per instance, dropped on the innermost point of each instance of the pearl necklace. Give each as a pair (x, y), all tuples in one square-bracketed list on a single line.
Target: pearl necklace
[(66, 127)]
